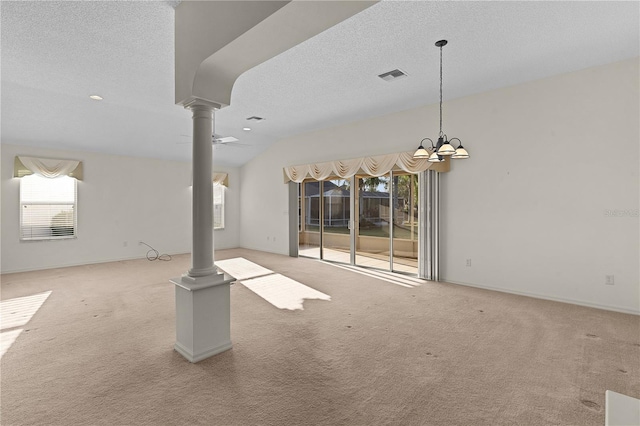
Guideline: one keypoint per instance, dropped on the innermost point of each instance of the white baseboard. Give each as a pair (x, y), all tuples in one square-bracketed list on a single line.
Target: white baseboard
[(548, 297), (71, 264), (91, 262), (264, 249), (191, 357)]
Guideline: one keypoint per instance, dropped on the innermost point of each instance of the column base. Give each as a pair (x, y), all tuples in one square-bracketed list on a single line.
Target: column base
[(203, 323), (196, 357)]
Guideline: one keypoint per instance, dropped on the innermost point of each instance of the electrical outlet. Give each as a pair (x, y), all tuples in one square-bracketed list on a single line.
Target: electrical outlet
[(608, 280), (125, 243), (468, 262)]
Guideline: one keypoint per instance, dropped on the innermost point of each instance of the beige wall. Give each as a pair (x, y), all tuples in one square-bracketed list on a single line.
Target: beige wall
[(121, 201), (538, 209)]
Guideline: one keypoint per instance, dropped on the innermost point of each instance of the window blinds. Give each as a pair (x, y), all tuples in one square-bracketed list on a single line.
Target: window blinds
[(47, 207), (218, 206)]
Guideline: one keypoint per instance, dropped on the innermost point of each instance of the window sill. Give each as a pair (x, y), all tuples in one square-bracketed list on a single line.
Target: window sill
[(35, 240)]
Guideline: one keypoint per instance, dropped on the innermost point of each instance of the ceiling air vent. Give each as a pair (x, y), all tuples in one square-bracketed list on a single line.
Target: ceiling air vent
[(254, 118), (393, 75)]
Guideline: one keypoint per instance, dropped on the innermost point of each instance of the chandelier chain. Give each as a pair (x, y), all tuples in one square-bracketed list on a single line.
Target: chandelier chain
[(440, 90)]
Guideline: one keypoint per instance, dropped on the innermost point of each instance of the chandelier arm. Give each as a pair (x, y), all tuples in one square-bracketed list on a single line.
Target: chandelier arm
[(456, 139), (427, 139)]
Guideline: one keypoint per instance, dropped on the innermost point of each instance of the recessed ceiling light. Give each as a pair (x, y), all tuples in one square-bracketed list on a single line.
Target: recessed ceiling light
[(246, 129), (96, 97)]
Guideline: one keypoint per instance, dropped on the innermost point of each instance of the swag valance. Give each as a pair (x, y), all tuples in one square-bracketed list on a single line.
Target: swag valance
[(216, 177), (221, 179), (46, 167), (373, 166)]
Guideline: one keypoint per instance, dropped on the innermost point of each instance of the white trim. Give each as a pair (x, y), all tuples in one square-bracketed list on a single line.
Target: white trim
[(621, 409), (199, 283), (201, 355), (546, 297), (93, 262)]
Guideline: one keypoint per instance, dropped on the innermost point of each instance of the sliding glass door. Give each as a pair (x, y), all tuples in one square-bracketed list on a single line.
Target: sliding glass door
[(405, 223), (374, 215), (309, 225), (382, 212), (336, 243)]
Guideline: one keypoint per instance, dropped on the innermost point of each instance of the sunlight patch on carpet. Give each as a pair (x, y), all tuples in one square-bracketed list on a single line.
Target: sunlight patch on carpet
[(7, 338), (282, 292), (241, 268), (16, 313), (390, 277)]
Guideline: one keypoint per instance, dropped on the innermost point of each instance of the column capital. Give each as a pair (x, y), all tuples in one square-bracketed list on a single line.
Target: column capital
[(193, 103)]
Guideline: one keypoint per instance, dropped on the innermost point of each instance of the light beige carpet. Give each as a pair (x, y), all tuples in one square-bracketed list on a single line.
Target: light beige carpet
[(99, 352)]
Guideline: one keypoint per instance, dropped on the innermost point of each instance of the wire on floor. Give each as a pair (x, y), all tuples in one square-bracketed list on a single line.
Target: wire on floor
[(154, 254)]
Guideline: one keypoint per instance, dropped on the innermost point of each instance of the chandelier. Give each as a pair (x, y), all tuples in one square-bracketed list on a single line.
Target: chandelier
[(443, 146)]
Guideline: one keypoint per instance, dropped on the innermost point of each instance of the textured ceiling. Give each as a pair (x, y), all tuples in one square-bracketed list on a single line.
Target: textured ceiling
[(55, 54)]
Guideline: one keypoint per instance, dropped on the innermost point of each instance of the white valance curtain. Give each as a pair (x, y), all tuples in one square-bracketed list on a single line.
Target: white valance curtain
[(221, 179), (46, 167), (216, 177), (373, 166)]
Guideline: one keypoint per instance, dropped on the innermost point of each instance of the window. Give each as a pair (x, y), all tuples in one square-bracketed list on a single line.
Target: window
[(47, 208), (218, 206)]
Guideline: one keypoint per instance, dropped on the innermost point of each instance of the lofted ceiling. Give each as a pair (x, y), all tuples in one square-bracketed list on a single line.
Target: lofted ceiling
[(55, 54)]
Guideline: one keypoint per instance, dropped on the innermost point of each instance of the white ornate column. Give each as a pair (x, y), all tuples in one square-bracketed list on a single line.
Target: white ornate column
[(209, 59), (202, 294)]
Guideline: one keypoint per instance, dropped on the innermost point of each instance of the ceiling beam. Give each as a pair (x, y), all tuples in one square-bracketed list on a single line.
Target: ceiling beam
[(217, 41)]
